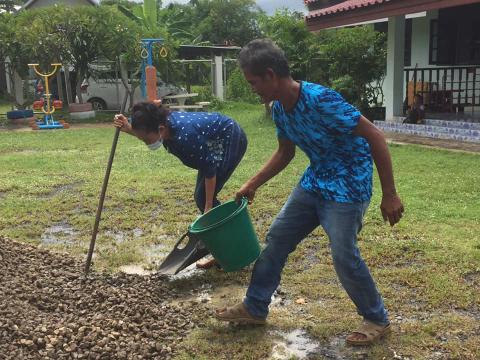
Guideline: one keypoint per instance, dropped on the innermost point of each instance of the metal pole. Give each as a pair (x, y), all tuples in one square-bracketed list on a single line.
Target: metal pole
[(102, 198)]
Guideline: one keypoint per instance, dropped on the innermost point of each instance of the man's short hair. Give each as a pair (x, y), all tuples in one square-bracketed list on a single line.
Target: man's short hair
[(260, 54)]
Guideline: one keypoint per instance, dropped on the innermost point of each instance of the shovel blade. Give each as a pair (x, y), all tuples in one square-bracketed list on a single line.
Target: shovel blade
[(179, 259)]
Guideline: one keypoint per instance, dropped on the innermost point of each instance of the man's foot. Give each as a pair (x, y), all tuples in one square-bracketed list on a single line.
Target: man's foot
[(238, 314), (368, 333), (206, 263)]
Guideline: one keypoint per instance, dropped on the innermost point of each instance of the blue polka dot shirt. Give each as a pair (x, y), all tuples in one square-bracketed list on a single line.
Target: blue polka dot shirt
[(200, 139)]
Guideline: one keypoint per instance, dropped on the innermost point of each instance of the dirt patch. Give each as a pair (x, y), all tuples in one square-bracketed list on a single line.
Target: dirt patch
[(65, 188), (47, 311), (473, 278), (430, 142)]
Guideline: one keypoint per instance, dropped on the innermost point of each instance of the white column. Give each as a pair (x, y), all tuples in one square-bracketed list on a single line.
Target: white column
[(218, 77), (394, 80)]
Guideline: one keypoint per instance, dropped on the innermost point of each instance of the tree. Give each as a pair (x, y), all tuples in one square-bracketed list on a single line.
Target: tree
[(80, 32), (10, 50), (121, 43), (356, 63), (146, 26), (9, 5), (233, 22), (288, 30), (37, 31)]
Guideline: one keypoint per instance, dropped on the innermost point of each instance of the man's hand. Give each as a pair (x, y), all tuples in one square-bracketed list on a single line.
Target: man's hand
[(247, 191), (392, 208), (121, 122)]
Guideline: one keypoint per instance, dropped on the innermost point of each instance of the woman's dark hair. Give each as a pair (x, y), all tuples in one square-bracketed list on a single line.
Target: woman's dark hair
[(260, 54), (148, 117)]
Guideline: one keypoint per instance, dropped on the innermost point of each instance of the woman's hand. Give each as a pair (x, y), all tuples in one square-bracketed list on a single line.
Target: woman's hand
[(121, 122), (208, 207)]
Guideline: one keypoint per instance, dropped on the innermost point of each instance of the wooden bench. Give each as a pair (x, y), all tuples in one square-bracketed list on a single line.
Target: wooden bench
[(198, 106), (180, 98), (184, 107)]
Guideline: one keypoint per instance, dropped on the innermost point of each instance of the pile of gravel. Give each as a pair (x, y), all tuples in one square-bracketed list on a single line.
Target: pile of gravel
[(47, 310)]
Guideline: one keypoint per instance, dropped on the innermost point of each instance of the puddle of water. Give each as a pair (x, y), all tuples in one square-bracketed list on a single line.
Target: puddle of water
[(137, 232), (187, 273), (122, 236), (204, 297), (118, 236), (338, 349), (280, 299), (156, 253), (296, 344), (157, 212), (58, 189), (61, 233), (135, 270)]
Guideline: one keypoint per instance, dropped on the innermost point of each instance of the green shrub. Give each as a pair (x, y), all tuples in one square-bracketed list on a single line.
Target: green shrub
[(204, 93), (238, 89)]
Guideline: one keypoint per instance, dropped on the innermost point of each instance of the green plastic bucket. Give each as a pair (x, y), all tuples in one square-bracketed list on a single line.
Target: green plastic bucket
[(228, 233)]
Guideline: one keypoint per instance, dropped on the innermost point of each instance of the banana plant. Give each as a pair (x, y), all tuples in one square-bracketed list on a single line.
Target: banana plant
[(146, 16)]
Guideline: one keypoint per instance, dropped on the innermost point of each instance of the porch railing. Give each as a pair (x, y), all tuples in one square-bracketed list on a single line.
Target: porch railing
[(444, 89)]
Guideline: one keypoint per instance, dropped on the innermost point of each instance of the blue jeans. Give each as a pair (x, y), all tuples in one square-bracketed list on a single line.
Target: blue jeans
[(233, 156), (300, 215)]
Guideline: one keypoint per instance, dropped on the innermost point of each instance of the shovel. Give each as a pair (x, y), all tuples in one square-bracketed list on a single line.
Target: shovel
[(181, 257)]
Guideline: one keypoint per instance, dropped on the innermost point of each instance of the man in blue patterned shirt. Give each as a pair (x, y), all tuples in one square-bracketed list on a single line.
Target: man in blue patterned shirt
[(334, 191)]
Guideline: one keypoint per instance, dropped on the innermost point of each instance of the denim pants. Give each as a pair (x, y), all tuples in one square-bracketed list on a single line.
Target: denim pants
[(233, 156), (300, 215)]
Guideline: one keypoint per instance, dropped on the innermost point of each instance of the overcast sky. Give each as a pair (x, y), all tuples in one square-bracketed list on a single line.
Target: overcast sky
[(268, 5)]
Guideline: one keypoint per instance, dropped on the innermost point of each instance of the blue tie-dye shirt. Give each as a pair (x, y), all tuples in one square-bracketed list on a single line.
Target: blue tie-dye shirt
[(321, 124)]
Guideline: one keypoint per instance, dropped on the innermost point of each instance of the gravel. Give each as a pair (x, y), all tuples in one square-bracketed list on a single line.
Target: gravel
[(49, 311)]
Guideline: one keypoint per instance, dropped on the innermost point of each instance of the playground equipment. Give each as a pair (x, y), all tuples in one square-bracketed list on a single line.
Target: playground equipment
[(47, 105), (148, 84)]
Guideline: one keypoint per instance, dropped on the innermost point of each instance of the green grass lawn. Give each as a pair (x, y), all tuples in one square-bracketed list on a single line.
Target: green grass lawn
[(427, 267)]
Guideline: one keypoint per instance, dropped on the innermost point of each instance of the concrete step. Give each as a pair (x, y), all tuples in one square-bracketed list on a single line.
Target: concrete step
[(453, 124), (438, 132), (438, 129)]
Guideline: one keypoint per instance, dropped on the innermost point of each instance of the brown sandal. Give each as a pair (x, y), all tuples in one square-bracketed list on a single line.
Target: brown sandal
[(371, 331), (238, 314), (206, 263)]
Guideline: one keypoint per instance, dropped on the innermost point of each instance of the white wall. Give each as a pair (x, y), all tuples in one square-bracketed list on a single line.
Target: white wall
[(394, 79), (421, 39)]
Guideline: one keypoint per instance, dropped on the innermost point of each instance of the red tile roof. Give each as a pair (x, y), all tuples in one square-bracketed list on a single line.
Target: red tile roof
[(342, 7)]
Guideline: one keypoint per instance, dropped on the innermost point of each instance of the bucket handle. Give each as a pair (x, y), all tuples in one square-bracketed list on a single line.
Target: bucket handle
[(181, 239), (190, 236)]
